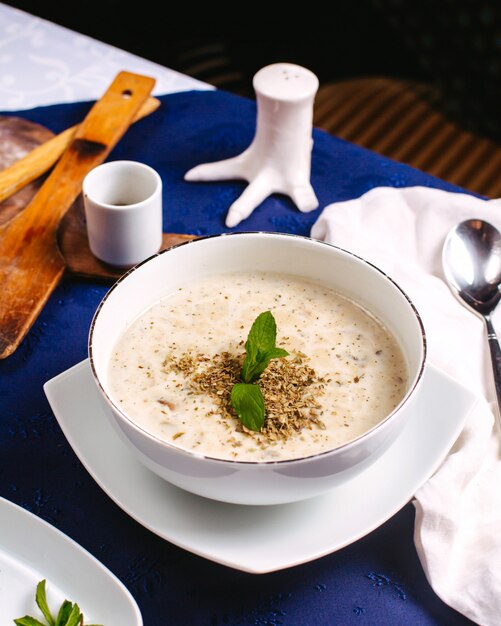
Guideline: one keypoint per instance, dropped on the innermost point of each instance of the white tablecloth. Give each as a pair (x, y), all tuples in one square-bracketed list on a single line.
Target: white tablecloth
[(43, 63)]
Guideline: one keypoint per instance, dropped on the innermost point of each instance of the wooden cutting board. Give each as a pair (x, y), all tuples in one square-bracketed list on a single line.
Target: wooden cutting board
[(18, 137)]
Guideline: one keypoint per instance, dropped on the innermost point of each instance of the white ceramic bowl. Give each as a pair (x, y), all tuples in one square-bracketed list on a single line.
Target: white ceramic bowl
[(257, 483)]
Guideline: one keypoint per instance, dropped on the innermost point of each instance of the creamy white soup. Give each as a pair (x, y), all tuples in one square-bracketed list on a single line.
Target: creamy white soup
[(173, 368)]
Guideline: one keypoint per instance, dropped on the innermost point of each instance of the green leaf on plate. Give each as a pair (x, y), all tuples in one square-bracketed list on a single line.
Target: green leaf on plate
[(69, 614), (41, 600), (75, 617), (28, 621), (64, 613)]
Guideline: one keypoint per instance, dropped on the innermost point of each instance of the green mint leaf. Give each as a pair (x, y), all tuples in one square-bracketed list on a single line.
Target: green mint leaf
[(264, 360), (263, 332), (41, 600), (276, 353), (247, 398), (69, 614), (261, 339), (64, 613), (248, 402), (75, 617), (28, 621)]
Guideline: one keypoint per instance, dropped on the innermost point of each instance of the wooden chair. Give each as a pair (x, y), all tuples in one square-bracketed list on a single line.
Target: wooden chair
[(403, 120)]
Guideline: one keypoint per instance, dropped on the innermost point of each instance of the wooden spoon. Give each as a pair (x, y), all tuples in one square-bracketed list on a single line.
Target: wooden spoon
[(42, 157), (31, 264)]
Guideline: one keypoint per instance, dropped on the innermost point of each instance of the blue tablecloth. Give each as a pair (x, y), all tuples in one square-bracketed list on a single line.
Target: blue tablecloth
[(377, 580)]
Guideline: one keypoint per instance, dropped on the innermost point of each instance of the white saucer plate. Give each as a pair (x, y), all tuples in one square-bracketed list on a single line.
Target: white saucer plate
[(254, 538), (32, 550)]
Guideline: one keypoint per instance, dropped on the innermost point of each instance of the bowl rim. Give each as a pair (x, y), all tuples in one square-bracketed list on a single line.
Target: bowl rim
[(236, 462)]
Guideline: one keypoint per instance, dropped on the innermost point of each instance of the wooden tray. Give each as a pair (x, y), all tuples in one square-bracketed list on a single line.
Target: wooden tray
[(18, 137)]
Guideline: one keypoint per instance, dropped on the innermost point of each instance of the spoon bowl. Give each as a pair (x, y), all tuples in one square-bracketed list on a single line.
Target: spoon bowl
[(472, 264), (471, 259)]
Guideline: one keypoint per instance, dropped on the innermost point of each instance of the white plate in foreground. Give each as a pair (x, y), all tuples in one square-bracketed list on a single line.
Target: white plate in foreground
[(31, 550), (253, 538)]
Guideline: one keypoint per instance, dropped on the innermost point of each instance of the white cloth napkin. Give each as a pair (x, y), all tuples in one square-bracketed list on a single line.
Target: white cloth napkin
[(458, 510)]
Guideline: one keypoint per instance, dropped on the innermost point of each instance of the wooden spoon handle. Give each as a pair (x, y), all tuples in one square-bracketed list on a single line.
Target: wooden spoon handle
[(31, 264), (43, 157)]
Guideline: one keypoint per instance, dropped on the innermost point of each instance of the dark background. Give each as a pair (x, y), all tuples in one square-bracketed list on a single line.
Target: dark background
[(454, 45), (354, 38)]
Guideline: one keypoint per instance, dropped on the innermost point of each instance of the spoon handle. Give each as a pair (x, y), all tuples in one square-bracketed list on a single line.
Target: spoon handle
[(495, 359)]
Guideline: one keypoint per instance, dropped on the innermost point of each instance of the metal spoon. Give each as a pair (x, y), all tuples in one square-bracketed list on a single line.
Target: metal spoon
[(471, 259)]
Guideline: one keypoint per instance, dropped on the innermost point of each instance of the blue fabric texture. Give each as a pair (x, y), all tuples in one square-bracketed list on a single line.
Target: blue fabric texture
[(377, 580)]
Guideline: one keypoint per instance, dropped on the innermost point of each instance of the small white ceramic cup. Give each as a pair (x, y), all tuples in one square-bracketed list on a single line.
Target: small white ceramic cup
[(123, 210)]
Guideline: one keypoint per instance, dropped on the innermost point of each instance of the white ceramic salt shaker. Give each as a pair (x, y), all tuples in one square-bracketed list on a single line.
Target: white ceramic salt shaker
[(123, 211), (279, 158)]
